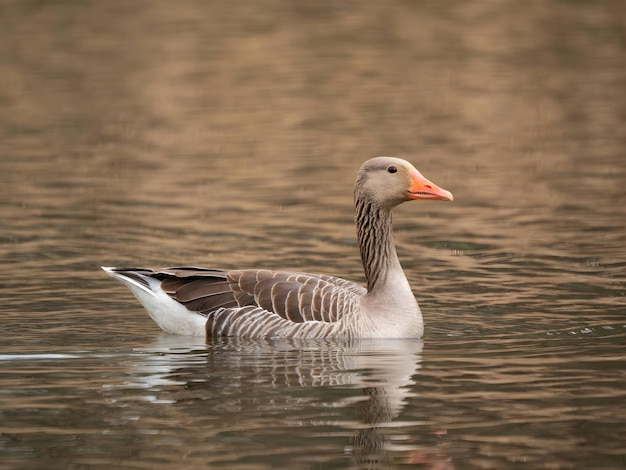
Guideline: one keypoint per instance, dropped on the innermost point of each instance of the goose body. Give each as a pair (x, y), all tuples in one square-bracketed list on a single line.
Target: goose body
[(261, 303)]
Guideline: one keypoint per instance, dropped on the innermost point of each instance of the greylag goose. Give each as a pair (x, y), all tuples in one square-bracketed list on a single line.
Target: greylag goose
[(261, 303)]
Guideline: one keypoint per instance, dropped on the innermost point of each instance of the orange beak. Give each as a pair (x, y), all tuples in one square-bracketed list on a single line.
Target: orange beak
[(421, 188)]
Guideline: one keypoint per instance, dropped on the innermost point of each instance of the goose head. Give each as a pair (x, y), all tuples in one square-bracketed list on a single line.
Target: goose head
[(389, 181)]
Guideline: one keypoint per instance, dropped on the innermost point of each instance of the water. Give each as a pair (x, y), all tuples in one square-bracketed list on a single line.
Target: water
[(229, 136)]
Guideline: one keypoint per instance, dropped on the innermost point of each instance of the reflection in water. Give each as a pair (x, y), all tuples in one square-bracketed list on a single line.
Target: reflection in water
[(246, 404), (382, 371)]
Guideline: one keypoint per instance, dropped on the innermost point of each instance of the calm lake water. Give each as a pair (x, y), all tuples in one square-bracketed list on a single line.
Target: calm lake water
[(229, 135)]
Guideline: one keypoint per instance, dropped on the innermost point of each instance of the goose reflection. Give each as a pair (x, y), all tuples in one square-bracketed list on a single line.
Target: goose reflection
[(269, 377)]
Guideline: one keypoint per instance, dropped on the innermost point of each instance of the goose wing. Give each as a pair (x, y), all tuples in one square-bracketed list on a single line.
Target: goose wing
[(292, 296)]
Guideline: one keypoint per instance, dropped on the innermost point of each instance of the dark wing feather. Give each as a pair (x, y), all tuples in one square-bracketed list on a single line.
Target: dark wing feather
[(200, 290)]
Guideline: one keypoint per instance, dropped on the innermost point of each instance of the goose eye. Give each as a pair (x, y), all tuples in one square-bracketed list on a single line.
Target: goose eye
[(392, 169)]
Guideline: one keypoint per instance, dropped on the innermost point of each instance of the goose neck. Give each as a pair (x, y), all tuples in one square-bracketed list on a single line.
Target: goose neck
[(375, 237)]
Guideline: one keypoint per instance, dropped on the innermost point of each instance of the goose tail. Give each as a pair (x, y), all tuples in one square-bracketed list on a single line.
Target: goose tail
[(170, 315)]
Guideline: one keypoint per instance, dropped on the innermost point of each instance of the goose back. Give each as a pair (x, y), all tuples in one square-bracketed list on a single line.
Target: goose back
[(259, 302)]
